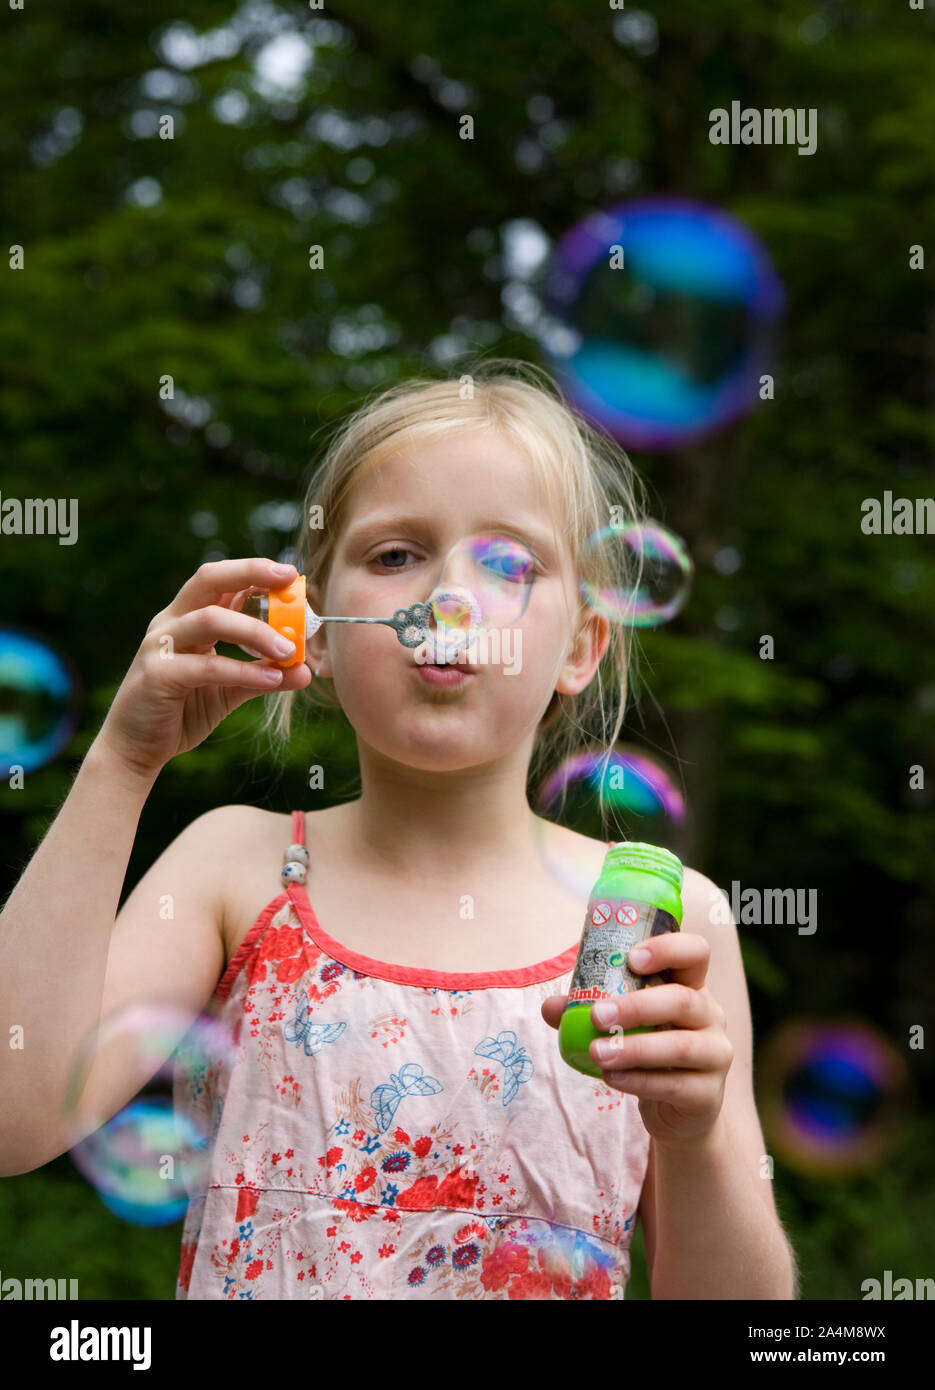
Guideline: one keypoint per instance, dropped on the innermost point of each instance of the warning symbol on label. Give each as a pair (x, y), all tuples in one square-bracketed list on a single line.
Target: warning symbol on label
[(601, 914), (627, 915)]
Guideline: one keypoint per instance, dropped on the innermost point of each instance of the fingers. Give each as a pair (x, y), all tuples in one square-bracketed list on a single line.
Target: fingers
[(217, 580), (553, 1008), (205, 626), (671, 1004), (685, 955), (188, 670), (676, 1049)]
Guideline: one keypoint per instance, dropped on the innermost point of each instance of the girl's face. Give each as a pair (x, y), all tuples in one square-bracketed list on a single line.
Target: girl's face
[(396, 549)]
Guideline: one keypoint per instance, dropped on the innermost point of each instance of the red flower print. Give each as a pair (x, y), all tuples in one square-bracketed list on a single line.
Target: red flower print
[(531, 1285), (455, 1190), (365, 1178), (247, 1199), (420, 1196), (505, 1261), (356, 1257), (386, 1250), (401, 1136), (595, 1282), (186, 1262), (422, 1146), (288, 971), (333, 1156), (280, 942), (357, 1211), (254, 1269)]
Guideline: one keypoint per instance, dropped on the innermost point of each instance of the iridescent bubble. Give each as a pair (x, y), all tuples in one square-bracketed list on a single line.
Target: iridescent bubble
[(833, 1096), (663, 312), (498, 570), (485, 583), (38, 702), (151, 1157), (638, 793), (649, 573)]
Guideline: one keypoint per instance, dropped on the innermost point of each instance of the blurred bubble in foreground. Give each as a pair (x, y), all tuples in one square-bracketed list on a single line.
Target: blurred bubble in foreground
[(832, 1096), (38, 699), (150, 1158)]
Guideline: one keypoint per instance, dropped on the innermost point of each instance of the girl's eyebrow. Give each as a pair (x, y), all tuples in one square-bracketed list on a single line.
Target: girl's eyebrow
[(358, 535)]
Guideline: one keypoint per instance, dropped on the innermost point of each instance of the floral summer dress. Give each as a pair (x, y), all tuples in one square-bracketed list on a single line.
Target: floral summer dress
[(383, 1131)]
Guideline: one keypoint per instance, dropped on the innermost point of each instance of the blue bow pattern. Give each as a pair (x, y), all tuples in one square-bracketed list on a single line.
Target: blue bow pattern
[(516, 1064), (408, 1081), (313, 1035)]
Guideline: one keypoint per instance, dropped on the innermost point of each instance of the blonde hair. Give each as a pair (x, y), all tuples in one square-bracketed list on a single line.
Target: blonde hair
[(586, 475)]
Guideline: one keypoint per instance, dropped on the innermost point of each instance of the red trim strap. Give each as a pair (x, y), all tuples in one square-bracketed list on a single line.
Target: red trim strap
[(237, 960), (541, 971)]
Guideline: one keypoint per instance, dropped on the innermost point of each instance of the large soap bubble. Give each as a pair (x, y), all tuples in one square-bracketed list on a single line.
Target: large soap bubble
[(669, 346), (38, 701), (151, 1158)]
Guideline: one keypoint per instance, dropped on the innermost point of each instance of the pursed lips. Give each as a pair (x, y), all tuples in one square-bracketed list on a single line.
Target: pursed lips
[(453, 663)]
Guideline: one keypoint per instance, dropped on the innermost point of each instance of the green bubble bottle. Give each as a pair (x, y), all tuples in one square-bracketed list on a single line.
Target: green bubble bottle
[(638, 895)]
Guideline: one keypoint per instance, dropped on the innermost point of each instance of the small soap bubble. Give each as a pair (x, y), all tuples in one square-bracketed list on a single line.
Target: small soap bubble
[(650, 574), (38, 702), (638, 793), (148, 1160), (833, 1096)]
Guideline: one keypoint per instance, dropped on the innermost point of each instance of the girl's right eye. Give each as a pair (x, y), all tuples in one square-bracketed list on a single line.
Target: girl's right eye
[(393, 550)]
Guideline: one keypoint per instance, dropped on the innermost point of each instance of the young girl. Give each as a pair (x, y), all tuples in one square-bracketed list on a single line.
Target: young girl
[(397, 1121)]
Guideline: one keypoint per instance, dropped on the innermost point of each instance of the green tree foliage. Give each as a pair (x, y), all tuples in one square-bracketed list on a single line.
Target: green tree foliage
[(187, 258)]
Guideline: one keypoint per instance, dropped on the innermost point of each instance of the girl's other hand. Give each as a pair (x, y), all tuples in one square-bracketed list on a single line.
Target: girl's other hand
[(178, 689), (679, 1072)]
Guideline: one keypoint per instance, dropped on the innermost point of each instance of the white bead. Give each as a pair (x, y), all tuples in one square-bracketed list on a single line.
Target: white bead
[(297, 854), (293, 873)]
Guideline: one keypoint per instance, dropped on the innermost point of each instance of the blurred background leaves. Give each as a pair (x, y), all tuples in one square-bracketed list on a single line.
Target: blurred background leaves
[(147, 258)]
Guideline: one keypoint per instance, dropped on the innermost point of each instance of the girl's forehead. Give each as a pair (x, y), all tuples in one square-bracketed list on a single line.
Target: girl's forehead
[(471, 469)]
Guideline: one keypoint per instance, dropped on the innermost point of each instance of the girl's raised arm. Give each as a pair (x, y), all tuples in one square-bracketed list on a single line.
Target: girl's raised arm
[(63, 966)]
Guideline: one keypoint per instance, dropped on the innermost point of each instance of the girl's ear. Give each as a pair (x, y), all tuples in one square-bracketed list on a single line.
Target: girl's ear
[(584, 654)]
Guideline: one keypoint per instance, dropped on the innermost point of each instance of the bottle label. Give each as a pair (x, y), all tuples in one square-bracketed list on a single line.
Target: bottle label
[(612, 928)]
